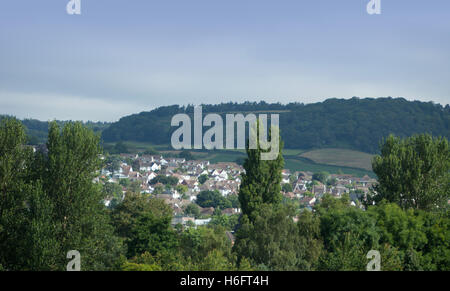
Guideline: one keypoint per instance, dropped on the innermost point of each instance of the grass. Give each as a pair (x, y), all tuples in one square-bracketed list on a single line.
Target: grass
[(340, 157)]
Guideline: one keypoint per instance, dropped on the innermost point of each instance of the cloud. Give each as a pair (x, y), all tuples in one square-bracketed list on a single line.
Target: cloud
[(63, 107)]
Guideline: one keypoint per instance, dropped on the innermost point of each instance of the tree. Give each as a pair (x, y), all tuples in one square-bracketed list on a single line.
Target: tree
[(166, 180), (51, 206), (261, 182), (112, 163), (332, 182), (125, 182), (186, 155), (413, 172), (348, 234), (321, 177), (120, 148), (82, 223), (135, 187), (152, 234), (197, 243), (203, 178), (270, 240), (310, 243), (182, 189), (193, 210), (113, 192), (129, 224), (26, 231), (286, 187), (214, 199)]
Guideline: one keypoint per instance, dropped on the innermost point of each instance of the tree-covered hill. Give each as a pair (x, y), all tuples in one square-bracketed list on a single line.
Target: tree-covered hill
[(356, 123), (37, 130)]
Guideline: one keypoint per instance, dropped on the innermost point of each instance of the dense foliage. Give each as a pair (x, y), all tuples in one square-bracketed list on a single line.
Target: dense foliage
[(50, 205), (413, 172), (356, 123)]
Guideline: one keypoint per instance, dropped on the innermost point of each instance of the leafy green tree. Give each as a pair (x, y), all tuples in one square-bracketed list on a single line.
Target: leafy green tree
[(158, 190), (51, 206), (270, 241), (192, 209), (182, 189), (120, 148), (79, 213), (112, 191), (332, 182), (286, 188), (310, 242), (348, 234), (152, 234), (214, 199), (166, 180), (197, 243), (228, 222), (203, 178), (129, 225), (128, 266), (234, 200), (413, 172), (112, 163), (321, 177), (186, 155), (125, 182), (135, 187)]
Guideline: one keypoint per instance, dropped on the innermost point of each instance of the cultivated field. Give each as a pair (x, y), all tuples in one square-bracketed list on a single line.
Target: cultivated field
[(340, 157)]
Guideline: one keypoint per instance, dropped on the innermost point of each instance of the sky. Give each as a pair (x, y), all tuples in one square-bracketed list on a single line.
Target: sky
[(126, 56)]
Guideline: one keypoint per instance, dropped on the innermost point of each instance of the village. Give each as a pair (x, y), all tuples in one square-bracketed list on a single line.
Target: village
[(179, 182)]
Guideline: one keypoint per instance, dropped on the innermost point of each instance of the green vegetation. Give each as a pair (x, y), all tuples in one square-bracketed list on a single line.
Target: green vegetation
[(165, 180), (202, 179), (261, 182), (49, 205), (357, 124), (414, 172), (214, 199), (37, 131), (340, 157), (321, 177)]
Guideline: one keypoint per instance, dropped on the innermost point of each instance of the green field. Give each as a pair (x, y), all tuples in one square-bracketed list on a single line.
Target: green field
[(340, 157)]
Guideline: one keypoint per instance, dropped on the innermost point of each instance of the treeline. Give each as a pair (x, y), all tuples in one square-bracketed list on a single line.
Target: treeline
[(37, 131), (49, 205), (358, 124)]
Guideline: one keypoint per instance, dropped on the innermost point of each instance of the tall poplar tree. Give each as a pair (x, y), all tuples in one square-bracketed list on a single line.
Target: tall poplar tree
[(261, 182)]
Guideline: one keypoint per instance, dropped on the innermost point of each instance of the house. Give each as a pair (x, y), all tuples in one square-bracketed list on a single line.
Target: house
[(231, 211), (339, 191), (182, 220), (200, 222), (207, 211), (308, 200), (319, 190)]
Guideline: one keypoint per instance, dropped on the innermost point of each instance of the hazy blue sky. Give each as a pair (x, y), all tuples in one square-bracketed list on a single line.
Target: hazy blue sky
[(126, 56)]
